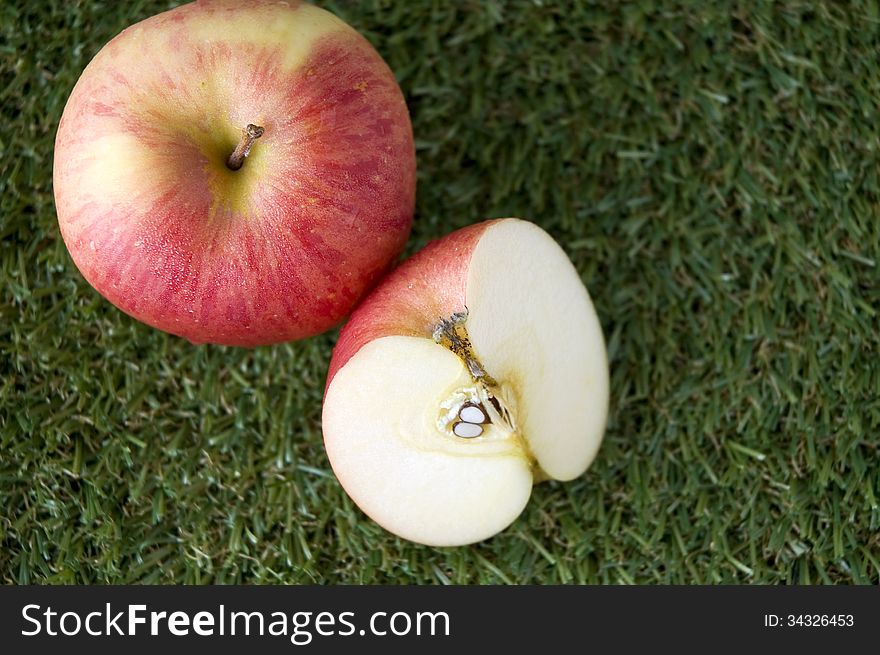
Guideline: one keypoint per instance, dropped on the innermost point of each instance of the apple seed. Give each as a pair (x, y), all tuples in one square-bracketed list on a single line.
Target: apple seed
[(472, 413), (467, 430)]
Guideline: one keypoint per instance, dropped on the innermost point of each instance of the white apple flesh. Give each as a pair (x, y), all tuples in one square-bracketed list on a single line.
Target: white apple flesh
[(473, 371)]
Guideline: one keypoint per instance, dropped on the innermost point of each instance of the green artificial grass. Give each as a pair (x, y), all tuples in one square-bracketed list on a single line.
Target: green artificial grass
[(711, 169)]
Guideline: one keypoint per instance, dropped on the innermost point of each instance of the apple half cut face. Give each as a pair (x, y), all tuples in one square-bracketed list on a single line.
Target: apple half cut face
[(473, 371)]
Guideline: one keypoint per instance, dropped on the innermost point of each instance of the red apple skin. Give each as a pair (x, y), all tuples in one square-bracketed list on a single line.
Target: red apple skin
[(429, 286), (279, 250)]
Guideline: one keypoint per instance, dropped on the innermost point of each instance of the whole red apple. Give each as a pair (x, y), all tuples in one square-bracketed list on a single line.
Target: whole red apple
[(235, 172)]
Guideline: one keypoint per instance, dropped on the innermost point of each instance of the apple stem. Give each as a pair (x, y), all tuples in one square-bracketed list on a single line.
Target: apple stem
[(248, 135), (451, 333)]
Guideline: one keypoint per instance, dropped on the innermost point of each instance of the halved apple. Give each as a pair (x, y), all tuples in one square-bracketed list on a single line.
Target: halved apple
[(473, 371)]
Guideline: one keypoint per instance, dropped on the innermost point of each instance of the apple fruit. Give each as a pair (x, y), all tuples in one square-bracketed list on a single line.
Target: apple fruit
[(235, 172), (474, 370)]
